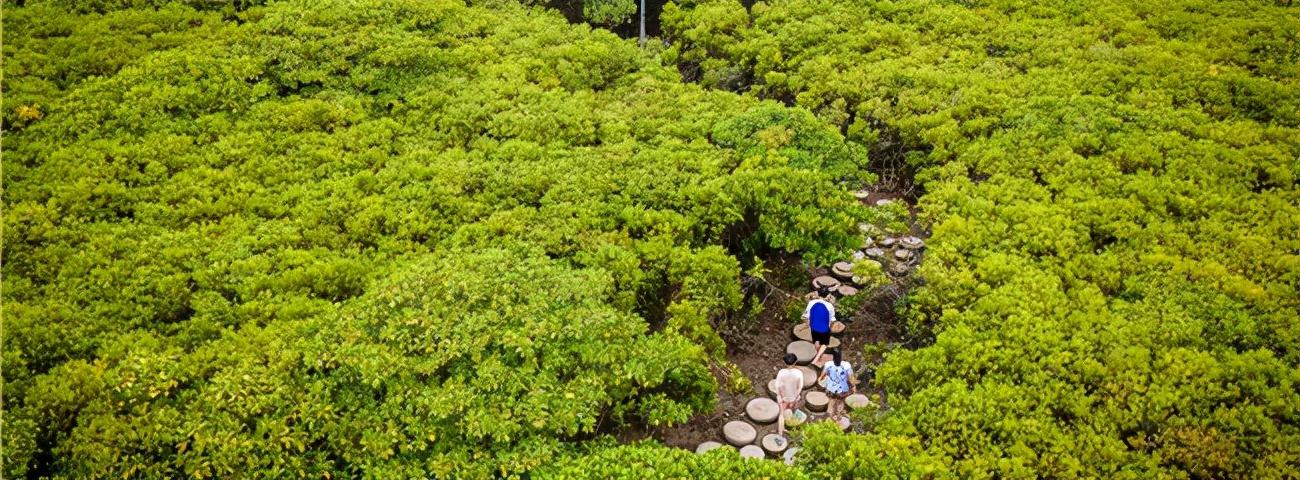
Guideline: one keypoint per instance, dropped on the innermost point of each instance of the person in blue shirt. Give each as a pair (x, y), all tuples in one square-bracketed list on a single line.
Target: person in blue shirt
[(820, 314)]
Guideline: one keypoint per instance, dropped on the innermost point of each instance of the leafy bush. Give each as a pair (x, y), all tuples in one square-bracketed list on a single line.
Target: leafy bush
[(1112, 187), (374, 238)]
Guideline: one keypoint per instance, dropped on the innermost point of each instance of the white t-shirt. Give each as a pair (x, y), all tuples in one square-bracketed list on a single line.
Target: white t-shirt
[(789, 382)]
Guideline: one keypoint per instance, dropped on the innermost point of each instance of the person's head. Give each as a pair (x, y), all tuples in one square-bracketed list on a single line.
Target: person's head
[(836, 357), (791, 358)]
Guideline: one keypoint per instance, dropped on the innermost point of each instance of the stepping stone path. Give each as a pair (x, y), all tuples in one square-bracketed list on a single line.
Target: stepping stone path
[(706, 446), (816, 401), (774, 443), (751, 451), (857, 401), (789, 454), (802, 350), (739, 433), (843, 270), (848, 290), (762, 410), (803, 332), (897, 256), (825, 282)]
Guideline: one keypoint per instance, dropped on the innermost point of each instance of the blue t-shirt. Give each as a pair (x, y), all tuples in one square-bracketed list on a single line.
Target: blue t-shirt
[(819, 318)]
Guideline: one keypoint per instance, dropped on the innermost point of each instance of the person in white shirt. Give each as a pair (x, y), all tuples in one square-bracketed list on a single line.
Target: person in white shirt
[(789, 384)]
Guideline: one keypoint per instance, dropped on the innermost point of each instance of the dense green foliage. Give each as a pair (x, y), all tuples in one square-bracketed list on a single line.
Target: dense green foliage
[(419, 238), (373, 238), (1112, 184)]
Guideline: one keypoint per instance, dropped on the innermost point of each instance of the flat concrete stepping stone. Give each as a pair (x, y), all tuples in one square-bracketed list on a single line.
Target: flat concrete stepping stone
[(795, 417), (803, 332), (706, 446), (837, 327), (803, 350), (843, 270), (903, 254), (884, 201), (888, 242), (816, 401), (819, 362), (809, 376), (774, 443), (857, 401), (752, 451), (874, 252), (789, 454), (858, 255), (739, 433), (842, 422), (861, 194), (762, 410), (772, 388), (848, 291), (825, 282), (911, 243)]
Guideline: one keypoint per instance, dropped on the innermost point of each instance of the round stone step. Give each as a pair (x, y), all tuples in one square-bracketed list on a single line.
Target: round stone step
[(739, 433), (842, 422), (752, 451), (837, 327), (809, 376), (884, 201), (803, 332), (803, 350), (816, 401), (842, 270), (888, 242), (847, 291), (774, 443), (861, 194), (857, 401), (762, 410), (858, 255), (874, 252), (706, 446), (825, 282), (789, 455), (795, 417), (911, 243), (903, 254), (772, 388)]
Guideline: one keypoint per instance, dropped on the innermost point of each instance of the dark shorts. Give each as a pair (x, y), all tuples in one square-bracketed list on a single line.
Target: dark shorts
[(823, 338)]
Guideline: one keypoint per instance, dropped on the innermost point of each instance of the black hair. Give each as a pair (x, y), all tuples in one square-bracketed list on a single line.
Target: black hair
[(835, 356), (791, 359)]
